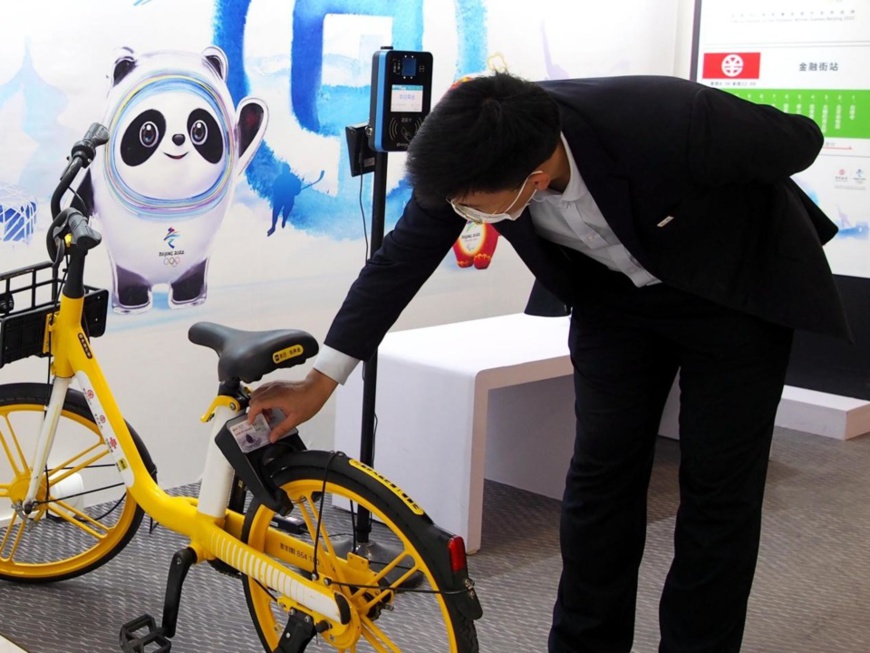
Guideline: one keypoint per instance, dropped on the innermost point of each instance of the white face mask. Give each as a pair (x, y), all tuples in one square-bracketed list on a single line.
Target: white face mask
[(479, 217)]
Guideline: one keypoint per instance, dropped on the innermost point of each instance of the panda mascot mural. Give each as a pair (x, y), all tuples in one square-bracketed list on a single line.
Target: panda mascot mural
[(162, 186)]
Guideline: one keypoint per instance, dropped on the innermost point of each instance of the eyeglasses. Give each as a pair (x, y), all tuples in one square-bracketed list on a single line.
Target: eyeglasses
[(480, 217)]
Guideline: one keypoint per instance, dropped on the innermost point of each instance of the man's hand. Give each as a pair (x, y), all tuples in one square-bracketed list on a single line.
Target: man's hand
[(298, 400)]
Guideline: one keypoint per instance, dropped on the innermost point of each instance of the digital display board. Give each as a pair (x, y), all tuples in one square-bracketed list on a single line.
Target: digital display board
[(810, 57)]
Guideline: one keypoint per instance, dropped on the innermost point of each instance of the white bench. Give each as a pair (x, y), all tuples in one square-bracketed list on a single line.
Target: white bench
[(438, 410), (494, 398)]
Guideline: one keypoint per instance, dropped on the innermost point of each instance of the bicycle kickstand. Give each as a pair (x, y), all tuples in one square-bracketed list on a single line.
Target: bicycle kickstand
[(137, 635)]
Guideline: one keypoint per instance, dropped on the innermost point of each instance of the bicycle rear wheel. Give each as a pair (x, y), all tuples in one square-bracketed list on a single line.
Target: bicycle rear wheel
[(84, 515), (399, 589)]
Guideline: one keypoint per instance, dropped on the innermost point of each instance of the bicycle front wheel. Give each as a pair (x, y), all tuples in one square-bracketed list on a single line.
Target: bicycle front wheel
[(395, 584), (83, 515)]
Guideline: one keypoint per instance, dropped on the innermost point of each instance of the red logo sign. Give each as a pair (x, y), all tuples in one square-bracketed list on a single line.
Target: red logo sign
[(732, 65)]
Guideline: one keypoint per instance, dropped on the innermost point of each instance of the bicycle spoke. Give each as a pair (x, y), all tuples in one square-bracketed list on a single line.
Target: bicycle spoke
[(310, 520), (19, 471), (316, 525), (376, 637), (66, 468), (7, 532), (395, 563), (19, 531), (77, 518), (317, 531)]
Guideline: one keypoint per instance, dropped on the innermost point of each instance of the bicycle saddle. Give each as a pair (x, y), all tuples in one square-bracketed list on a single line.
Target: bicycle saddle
[(248, 355)]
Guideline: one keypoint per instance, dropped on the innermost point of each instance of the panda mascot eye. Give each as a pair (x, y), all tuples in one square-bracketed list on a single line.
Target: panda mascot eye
[(206, 135), (142, 136), (149, 134), (199, 132)]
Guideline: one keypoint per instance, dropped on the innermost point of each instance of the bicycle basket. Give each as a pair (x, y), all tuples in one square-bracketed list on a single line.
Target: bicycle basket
[(25, 303)]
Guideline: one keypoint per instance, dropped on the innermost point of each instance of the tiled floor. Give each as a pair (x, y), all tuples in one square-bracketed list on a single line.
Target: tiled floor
[(810, 593)]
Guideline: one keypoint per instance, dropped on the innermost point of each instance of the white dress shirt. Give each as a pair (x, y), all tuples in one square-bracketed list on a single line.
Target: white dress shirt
[(573, 219)]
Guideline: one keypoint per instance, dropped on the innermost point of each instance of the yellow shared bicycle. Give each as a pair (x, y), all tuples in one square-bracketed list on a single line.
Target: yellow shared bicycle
[(75, 479)]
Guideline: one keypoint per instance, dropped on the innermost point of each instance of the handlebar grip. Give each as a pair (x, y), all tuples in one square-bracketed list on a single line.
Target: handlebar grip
[(86, 149), (97, 134), (83, 235)]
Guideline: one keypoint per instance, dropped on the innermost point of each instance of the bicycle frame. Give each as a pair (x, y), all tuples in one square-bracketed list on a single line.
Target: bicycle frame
[(342, 595), (213, 530)]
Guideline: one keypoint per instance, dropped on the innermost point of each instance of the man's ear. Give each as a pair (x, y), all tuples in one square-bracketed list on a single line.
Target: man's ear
[(540, 179), (554, 172)]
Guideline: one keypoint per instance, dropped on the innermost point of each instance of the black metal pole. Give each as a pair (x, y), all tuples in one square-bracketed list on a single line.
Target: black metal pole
[(370, 367)]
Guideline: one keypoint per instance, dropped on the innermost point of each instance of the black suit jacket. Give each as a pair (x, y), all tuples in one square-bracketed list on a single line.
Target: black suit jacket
[(741, 233)]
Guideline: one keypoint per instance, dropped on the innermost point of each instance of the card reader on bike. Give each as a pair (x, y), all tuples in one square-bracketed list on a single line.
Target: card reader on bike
[(248, 450)]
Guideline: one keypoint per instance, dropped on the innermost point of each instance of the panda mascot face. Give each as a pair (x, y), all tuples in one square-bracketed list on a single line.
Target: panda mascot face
[(160, 190), (171, 148)]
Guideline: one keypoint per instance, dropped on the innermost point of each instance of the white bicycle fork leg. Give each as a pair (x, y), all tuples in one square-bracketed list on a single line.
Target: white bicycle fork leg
[(46, 436)]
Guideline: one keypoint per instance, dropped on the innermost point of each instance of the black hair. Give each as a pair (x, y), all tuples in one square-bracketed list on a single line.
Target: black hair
[(485, 135)]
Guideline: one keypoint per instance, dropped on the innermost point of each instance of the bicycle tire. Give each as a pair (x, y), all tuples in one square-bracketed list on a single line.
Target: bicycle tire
[(60, 543), (397, 524)]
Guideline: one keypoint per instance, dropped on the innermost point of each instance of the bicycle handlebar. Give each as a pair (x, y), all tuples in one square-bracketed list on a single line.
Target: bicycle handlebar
[(86, 148), (81, 156), (82, 234), (67, 178)]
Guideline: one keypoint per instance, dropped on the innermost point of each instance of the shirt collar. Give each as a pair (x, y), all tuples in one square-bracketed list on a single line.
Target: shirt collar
[(576, 187)]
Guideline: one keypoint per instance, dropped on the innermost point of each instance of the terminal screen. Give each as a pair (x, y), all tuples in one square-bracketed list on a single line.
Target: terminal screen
[(406, 98)]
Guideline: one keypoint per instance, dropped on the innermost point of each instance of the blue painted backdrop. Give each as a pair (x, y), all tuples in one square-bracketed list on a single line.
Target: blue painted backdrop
[(38, 139), (327, 109)]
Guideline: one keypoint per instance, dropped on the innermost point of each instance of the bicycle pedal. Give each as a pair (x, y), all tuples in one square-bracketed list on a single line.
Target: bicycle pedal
[(141, 635)]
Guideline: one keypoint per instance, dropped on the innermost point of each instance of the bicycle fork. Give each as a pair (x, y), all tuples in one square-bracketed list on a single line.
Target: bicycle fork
[(44, 442)]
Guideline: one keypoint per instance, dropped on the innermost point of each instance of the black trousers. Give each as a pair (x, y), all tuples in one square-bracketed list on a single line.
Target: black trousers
[(627, 345)]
